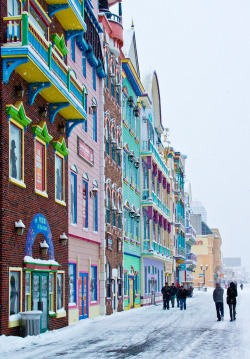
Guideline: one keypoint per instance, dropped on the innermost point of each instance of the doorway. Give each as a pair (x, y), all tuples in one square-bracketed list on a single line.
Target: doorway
[(83, 296), (40, 295), (131, 292)]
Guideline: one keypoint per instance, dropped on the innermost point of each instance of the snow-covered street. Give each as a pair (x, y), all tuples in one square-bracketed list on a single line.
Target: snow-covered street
[(147, 332)]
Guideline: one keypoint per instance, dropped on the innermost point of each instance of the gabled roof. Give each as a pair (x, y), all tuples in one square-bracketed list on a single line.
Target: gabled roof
[(130, 48)]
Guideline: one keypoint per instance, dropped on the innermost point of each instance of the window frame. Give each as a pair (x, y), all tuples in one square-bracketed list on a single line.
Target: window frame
[(20, 288), (60, 313), (95, 213), (94, 78), (94, 121), (95, 288), (37, 191), (87, 205), (74, 176), (27, 308), (51, 293), (57, 154), (72, 265), (16, 181)]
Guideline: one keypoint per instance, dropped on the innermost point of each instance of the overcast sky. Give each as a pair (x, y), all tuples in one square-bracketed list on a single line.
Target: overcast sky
[(201, 52)]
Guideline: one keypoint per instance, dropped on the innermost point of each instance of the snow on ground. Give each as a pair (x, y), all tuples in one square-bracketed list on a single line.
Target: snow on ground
[(146, 333)]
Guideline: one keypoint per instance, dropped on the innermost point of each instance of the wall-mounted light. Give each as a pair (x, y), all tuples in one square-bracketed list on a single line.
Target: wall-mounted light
[(19, 91), (132, 213), (131, 156), (130, 101), (112, 75), (63, 239), (93, 193), (138, 216), (137, 163), (19, 226), (136, 111), (43, 111), (118, 149), (114, 209), (44, 247), (93, 107), (144, 119), (117, 84)]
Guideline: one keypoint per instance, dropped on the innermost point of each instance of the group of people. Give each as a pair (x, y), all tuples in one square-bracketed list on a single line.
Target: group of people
[(170, 292), (231, 301)]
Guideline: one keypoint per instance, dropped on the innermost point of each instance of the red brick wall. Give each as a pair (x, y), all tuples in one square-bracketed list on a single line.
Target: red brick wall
[(18, 203)]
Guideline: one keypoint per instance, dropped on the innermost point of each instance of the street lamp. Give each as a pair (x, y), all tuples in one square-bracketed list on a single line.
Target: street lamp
[(204, 270)]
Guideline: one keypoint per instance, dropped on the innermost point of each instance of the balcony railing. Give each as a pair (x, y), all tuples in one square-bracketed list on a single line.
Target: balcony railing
[(21, 32), (191, 257), (191, 231), (147, 146), (113, 17)]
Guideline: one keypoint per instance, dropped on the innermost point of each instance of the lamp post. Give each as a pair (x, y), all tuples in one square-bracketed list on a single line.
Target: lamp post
[(204, 270)]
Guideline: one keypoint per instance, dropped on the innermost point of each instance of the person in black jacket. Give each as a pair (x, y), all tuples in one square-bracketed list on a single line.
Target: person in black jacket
[(182, 295), (166, 292), (231, 300), (173, 293)]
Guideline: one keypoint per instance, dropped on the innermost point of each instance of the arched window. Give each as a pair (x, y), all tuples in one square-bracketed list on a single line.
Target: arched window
[(131, 228), (113, 144), (113, 210), (107, 70), (112, 75), (124, 165), (107, 139), (108, 281), (119, 213), (118, 88), (108, 206), (118, 150)]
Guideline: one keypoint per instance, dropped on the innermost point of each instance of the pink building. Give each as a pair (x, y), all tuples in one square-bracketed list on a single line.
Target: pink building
[(84, 171)]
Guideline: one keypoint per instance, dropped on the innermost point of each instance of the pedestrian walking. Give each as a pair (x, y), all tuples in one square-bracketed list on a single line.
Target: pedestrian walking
[(177, 298), (231, 300), (166, 292), (218, 299), (173, 294), (182, 294), (241, 286)]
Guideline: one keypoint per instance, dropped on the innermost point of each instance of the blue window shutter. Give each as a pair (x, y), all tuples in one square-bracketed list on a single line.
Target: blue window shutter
[(73, 49), (84, 64)]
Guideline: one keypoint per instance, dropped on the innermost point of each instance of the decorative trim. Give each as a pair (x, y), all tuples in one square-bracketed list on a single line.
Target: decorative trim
[(72, 33), (60, 146), (60, 43), (18, 114), (54, 8), (71, 124), (34, 88), (41, 131), (54, 108)]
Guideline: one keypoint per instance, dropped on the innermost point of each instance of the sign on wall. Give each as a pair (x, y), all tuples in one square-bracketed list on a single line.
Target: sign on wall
[(85, 152)]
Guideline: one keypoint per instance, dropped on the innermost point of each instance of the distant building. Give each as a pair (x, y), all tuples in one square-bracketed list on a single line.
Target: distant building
[(198, 208), (233, 270)]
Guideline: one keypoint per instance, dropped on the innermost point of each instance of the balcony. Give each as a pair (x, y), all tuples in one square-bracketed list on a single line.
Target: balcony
[(190, 235), (153, 199), (148, 148), (113, 25), (157, 251), (69, 13), (179, 255), (33, 58), (191, 260)]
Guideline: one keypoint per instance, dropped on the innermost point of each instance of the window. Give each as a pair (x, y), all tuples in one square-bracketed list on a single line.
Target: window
[(130, 112), (131, 172), (40, 166), (51, 292), (113, 144), (153, 182), (112, 81), (159, 234), (85, 204), (107, 70), (73, 49), (119, 280), (94, 119), (72, 283), (27, 291), (136, 283), (73, 198), (85, 107), (93, 284), (132, 227), (137, 231), (95, 204), (16, 155), (146, 279), (108, 281), (125, 283), (14, 291), (124, 107), (149, 269), (113, 211), (136, 178), (119, 214), (59, 182), (118, 89), (162, 278), (158, 280), (84, 63), (108, 206), (158, 188), (14, 7), (125, 165), (125, 225), (107, 139), (118, 151), (37, 22), (154, 239), (59, 291), (94, 78)]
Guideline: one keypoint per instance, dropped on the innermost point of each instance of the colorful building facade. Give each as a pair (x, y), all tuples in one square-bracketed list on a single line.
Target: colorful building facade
[(112, 254), (85, 141), (156, 259)]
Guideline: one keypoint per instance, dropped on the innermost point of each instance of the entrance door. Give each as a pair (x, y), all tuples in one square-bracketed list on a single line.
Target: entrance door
[(83, 296), (131, 292), (40, 296)]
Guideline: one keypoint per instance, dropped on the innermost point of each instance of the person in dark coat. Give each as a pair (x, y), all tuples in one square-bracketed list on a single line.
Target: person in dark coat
[(231, 300), (173, 293), (241, 286), (166, 292), (218, 299), (177, 299), (182, 295)]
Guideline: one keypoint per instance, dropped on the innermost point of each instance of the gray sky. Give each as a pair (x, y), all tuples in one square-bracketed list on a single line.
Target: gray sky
[(201, 52)]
